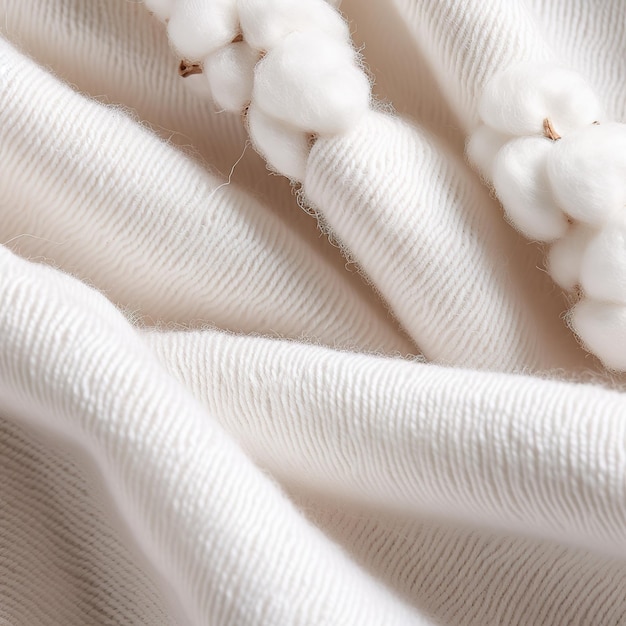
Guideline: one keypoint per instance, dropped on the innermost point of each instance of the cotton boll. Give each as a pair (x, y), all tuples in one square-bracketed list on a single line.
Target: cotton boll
[(603, 267), (161, 8), (521, 182), (601, 326), (285, 149), (587, 171), (265, 23), (565, 256), (313, 83), (199, 85), (198, 27), (482, 148), (518, 100), (230, 72)]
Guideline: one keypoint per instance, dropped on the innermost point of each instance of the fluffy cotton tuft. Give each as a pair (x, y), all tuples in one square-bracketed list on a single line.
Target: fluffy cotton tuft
[(565, 165), (308, 83), (521, 182), (601, 326), (313, 83), (161, 8), (603, 266), (483, 147), (265, 23), (285, 149), (230, 72), (588, 172), (565, 256), (518, 100), (198, 27), (198, 84)]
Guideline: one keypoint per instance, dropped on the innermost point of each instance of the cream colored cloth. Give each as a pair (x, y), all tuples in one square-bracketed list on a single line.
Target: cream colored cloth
[(213, 413)]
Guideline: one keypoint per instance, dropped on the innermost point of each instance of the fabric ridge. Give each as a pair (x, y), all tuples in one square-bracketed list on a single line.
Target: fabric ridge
[(284, 313)]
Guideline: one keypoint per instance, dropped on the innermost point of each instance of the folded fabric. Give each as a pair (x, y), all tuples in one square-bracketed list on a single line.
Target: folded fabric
[(228, 398)]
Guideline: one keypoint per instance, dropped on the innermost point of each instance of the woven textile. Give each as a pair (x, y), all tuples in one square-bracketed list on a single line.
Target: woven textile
[(226, 400)]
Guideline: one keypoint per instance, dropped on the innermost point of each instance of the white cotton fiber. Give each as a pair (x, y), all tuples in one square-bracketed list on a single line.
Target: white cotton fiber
[(161, 8), (601, 326), (565, 256), (198, 84), (482, 148), (521, 182), (230, 72), (603, 267), (285, 149), (199, 27), (587, 170), (518, 100), (313, 83), (265, 23)]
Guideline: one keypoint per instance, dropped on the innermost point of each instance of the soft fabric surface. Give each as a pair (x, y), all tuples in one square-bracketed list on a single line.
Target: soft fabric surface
[(225, 400)]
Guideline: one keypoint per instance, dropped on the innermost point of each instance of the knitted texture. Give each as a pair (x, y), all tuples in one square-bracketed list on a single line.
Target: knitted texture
[(431, 266), (61, 561), (170, 473), (218, 408), (202, 274), (425, 425)]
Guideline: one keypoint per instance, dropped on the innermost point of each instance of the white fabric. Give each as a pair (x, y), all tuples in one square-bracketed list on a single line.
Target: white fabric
[(212, 413)]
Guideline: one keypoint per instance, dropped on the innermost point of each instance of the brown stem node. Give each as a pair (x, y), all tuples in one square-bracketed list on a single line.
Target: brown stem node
[(549, 131), (188, 68)]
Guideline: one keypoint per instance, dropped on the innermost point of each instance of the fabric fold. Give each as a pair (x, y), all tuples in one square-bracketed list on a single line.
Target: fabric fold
[(155, 231), (237, 440), (64, 558), (232, 546), (426, 560), (420, 225), (466, 44), (536, 457)]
